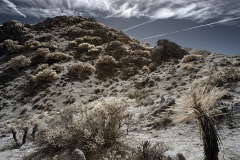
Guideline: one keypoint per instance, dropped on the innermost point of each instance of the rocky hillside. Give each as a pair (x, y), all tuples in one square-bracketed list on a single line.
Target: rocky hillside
[(75, 62)]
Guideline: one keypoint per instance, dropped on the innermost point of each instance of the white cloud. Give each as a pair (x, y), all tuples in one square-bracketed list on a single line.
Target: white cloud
[(197, 10), (14, 7)]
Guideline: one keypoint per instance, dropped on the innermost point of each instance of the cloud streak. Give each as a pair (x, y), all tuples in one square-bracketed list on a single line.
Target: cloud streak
[(196, 10), (14, 7), (200, 26)]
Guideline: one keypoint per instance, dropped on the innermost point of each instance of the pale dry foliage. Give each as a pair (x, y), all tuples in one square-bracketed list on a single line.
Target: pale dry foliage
[(11, 46), (225, 75), (198, 103), (151, 151), (89, 39), (43, 52), (94, 131), (41, 67), (80, 70), (57, 56), (86, 46), (46, 75), (19, 62), (191, 57), (32, 44)]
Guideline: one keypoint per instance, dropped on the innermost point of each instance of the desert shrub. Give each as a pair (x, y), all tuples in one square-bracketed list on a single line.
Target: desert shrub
[(46, 75), (142, 53), (94, 51), (94, 131), (57, 57), (191, 57), (72, 45), (226, 75), (19, 62), (236, 63), (86, 46), (57, 67), (188, 67), (148, 151), (32, 44), (76, 31), (41, 67), (11, 46), (89, 39), (106, 66), (43, 52), (115, 49), (80, 70)]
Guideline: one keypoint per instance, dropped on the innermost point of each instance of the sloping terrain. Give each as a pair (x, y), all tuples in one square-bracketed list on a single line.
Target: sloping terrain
[(75, 61)]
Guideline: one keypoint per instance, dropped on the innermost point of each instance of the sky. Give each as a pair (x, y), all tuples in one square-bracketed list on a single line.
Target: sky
[(213, 25)]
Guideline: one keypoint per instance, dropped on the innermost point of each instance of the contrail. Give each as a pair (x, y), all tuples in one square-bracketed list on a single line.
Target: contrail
[(14, 7), (187, 29), (139, 25)]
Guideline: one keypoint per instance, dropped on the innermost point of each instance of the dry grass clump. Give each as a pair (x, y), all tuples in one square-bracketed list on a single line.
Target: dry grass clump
[(11, 46), (76, 31), (72, 45), (94, 132), (148, 151), (86, 46), (188, 67), (191, 57), (57, 57), (142, 53), (57, 67), (236, 63), (226, 75), (19, 62), (43, 52), (46, 75), (32, 44), (198, 103), (41, 67), (89, 39), (80, 70)]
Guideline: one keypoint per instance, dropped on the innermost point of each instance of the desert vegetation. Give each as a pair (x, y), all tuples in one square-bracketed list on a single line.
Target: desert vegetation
[(19, 62)]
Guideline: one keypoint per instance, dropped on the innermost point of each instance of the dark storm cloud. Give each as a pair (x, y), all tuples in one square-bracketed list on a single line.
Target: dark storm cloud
[(197, 10)]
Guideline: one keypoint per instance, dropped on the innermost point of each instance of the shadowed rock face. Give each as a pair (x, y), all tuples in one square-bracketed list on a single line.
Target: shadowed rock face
[(12, 30), (166, 50)]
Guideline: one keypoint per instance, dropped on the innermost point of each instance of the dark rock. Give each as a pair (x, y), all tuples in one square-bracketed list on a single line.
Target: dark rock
[(166, 50)]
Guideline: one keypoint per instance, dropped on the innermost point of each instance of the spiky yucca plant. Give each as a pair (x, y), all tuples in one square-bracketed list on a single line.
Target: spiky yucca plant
[(198, 104)]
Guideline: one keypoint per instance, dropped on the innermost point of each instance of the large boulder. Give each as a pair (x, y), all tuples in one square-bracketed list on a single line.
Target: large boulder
[(166, 50)]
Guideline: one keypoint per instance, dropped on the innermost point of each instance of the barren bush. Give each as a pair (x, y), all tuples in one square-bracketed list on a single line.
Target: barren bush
[(32, 44), (19, 62), (148, 151), (94, 132), (11, 46), (80, 70), (86, 46), (57, 57), (41, 67), (46, 75), (226, 75), (191, 57), (43, 52), (89, 39)]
